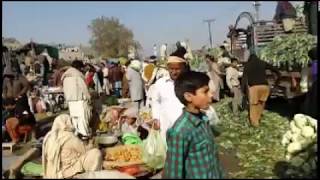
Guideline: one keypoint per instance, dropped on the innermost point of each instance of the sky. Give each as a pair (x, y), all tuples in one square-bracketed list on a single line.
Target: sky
[(151, 22)]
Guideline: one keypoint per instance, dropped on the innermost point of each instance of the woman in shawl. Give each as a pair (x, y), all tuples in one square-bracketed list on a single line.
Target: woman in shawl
[(64, 154)]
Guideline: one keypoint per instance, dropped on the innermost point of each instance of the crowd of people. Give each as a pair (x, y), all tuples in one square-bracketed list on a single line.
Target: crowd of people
[(179, 99)]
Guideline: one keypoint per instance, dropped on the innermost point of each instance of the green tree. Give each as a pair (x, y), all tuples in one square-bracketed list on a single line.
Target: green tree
[(110, 38)]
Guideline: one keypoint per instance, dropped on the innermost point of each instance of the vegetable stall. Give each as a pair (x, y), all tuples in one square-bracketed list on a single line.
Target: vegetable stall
[(135, 150)]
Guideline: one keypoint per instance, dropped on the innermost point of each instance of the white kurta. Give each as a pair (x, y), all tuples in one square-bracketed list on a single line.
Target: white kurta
[(165, 105), (135, 84), (78, 98)]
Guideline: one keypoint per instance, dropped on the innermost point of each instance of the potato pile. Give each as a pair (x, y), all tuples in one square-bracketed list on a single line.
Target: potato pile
[(124, 153)]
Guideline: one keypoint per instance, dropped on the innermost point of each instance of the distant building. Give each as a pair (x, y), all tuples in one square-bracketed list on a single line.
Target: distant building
[(71, 53)]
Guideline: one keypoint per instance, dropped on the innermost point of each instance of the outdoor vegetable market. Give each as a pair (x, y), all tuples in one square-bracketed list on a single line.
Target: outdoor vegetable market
[(128, 106)]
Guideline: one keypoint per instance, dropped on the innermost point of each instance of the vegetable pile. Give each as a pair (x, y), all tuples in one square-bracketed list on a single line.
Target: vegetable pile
[(288, 51), (301, 144), (198, 62), (123, 60), (259, 150)]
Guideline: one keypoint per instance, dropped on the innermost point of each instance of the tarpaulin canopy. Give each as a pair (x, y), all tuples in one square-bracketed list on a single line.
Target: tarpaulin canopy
[(39, 48)]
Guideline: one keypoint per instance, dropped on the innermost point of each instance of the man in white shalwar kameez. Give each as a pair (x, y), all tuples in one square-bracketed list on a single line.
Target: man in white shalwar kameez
[(135, 84), (166, 107), (78, 98)]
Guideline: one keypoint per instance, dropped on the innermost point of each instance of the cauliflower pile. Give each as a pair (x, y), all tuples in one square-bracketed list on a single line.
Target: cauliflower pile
[(301, 136)]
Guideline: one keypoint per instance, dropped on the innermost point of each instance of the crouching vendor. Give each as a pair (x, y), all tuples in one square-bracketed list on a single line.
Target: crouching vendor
[(64, 154)]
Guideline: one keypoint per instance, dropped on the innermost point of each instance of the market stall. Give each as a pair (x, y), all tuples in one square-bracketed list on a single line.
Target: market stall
[(126, 144)]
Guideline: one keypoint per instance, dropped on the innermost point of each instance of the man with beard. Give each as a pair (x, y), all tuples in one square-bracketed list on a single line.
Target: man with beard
[(166, 107)]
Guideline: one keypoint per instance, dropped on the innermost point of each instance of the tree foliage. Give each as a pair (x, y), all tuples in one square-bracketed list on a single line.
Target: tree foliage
[(110, 38)]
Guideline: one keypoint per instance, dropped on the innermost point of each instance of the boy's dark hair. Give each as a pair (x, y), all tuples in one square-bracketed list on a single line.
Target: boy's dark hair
[(189, 81), (77, 64)]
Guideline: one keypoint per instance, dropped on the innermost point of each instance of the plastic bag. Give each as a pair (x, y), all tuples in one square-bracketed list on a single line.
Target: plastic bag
[(154, 150), (212, 116), (131, 138), (32, 169)]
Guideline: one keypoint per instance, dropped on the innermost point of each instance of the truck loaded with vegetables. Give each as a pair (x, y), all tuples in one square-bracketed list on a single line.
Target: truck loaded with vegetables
[(286, 51), (290, 54)]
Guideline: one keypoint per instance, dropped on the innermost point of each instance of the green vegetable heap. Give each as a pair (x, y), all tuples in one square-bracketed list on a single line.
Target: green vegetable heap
[(288, 51)]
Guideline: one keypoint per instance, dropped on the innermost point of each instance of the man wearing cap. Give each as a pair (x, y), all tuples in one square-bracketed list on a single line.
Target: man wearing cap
[(166, 108), (78, 98)]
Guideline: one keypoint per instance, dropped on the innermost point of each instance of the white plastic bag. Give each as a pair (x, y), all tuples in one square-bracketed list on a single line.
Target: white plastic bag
[(154, 150), (212, 116)]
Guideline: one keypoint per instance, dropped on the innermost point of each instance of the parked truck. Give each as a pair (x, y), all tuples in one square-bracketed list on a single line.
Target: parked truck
[(257, 35)]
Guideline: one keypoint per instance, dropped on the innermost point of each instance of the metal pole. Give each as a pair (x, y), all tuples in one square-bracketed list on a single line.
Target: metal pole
[(210, 34), (256, 5), (209, 27)]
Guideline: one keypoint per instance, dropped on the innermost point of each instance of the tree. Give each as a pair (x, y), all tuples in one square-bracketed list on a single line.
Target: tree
[(110, 38)]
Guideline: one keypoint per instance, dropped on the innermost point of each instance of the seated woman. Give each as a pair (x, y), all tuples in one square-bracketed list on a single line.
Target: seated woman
[(64, 154)]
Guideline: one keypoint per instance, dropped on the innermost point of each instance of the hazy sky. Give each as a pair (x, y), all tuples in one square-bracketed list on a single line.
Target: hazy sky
[(151, 22)]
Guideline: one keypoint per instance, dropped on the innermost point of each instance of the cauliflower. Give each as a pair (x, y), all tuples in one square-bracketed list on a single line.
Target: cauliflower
[(300, 120), (305, 143), (288, 135), (312, 122), (307, 132), (286, 138), (288, 157), (297, 138), (285, 141), (294, 147), (294, 128)]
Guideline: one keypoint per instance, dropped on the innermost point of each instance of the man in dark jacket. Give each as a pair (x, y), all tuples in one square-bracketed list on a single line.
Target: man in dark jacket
[(255, 85)]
